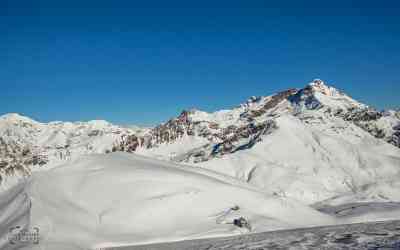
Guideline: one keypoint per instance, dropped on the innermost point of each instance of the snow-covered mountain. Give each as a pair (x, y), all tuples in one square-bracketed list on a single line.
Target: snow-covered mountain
[(311, 144), (228, 130), (26, 144), (278, 161)]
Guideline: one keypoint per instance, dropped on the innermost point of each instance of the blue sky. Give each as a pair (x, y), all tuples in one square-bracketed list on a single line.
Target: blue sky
[(132, 63)]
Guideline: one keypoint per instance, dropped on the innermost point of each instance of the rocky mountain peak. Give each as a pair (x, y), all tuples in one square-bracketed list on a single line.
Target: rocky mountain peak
[(320, 86), (318, 94), (184, 116), (317, 83)]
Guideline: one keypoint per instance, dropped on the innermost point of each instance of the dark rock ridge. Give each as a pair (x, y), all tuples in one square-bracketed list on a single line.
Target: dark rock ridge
[(269, 104), (395, 137), (305, 97), (367, 119), (17, 159), (221, 140), (241, 138)]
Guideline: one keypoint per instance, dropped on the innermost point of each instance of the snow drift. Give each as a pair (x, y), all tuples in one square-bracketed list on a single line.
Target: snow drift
[(117, 199)]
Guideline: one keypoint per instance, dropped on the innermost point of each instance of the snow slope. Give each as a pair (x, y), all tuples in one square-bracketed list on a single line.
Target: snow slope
[(311, 165), (120, 198), (14, 214)]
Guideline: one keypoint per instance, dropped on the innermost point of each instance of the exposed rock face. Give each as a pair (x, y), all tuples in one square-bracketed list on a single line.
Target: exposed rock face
[(377, 123), (128, 144), (222, 139), (250, 131), (366, 119), (235, 139), (16, 159), (164, 133), (395, 137), (269, 103), (173, 129), (305, 98), (362, 115)]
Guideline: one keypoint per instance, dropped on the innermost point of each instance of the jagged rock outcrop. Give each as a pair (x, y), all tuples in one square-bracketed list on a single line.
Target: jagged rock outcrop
[(235, 139), (395, 137), (172, 129), (366, 119), (269, 103), (362, 115), (305, 98), (17, 159), (251, 132), (377, 123)]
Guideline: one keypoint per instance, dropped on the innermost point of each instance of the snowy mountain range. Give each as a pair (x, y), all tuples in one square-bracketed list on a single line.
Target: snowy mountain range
[(197, 137), (309, 150), (25, 143)]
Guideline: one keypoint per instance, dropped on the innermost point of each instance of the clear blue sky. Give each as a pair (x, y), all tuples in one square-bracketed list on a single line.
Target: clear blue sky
[(131, 63)]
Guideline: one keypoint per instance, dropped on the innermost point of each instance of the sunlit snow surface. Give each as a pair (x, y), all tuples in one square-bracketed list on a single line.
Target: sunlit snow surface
[(121, 198)]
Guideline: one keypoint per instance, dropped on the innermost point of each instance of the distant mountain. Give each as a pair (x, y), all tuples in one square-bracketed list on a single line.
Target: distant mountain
[(312, 144), (224, 129), (25, 143)]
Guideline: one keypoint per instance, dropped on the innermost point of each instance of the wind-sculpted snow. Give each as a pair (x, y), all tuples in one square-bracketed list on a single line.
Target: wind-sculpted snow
[(121, 198)]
